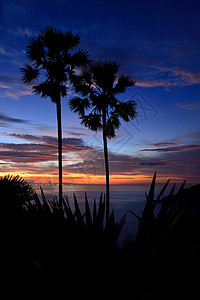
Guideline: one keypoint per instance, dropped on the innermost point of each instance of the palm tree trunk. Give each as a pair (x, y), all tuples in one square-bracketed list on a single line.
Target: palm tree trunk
[(106, 166), (58, 106)]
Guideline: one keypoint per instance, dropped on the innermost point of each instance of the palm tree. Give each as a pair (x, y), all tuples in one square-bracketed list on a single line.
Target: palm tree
[(51, 57), (98, 84)]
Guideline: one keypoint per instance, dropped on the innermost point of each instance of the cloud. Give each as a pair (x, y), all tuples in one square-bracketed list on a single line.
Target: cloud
[(17, 93), (178, 167), (3, 85), (190, 106), (22, 31), (167, 77), (5, 120), (17, 156), (38, 148), (188, 77), (151, 65), (177, 76), (13, 87), (38, 155), (151, 83), (161, 144), (3, 125), (93, 163), (9, 53), (173, 149), (152, 164), (50, 140), (193, 135), (73, 133)]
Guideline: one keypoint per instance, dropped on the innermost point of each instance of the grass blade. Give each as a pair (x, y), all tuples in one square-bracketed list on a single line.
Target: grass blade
[(161, 193), (87, 212), (94, 211), (78, 212)]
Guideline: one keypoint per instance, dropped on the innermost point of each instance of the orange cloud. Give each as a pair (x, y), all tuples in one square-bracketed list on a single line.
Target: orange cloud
[(190, 106)]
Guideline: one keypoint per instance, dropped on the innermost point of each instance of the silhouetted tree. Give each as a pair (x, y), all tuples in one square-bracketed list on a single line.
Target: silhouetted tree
[(98, 84), (51, 57)]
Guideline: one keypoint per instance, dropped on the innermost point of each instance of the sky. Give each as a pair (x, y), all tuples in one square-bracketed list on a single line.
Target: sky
[(155, 42)]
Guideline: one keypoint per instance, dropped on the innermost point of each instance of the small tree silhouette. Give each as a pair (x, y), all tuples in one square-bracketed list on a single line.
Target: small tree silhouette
[(51, 58), (98, 84)]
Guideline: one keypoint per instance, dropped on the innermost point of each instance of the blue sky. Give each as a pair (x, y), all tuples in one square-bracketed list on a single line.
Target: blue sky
[(155, 42)]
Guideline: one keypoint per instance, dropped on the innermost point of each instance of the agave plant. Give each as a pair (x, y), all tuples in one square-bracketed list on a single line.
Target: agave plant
[(167, 205), (167, 241), (74, 235), (91, 221)]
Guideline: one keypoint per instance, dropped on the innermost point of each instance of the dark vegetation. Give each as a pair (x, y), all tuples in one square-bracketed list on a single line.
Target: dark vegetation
[(51, 247)]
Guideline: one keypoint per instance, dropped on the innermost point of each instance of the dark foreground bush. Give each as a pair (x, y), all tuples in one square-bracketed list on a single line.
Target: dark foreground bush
[(55, 240), (164, 259), (50, 248)]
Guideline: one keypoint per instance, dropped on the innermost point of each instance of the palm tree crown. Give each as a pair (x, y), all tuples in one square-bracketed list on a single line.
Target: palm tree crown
[(99, 84), (51, 57)]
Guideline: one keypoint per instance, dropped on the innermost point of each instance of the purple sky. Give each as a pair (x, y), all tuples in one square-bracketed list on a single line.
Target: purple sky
[(156, 42)]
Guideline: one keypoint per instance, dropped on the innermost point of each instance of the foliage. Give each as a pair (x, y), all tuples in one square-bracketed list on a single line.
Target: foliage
[(50, 56), (86, 231), (167, 244), (76, 245), (55, 239), (59, 231), (98, 85), (16, 189)]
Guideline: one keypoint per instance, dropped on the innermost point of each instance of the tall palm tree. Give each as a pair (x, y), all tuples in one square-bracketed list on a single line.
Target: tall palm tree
[(51, 57), (98, 84)]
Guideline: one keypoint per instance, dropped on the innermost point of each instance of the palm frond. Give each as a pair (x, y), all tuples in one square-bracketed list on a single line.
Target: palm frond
[(126, 110), (29, 73), (92, 121), (104, 74), (72, 40), (44, 89), (82, 88), (86, 75), (50, 89), (56, 71), (122, 84), (35, 51), (79, 105), (80, 58), (112, 124), (74, 78)]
